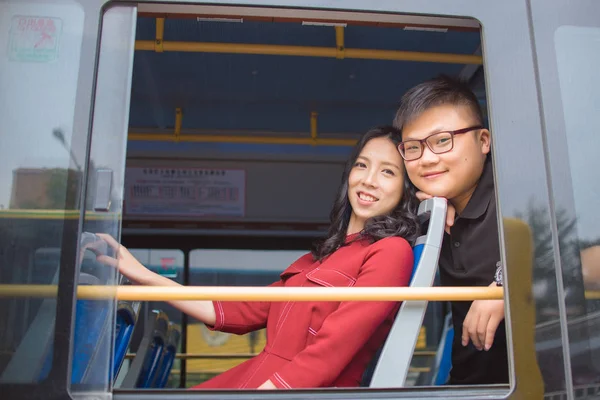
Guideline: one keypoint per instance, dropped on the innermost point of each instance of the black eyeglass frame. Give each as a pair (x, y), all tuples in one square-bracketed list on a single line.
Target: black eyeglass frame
[(423, 141)]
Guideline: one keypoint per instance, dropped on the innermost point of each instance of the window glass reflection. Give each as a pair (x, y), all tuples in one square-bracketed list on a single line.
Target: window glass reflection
[(578, 59)]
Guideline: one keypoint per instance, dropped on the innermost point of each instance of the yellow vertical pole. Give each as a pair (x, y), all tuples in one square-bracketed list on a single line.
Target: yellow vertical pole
[(519, 266), (339, 42), (178, 119), (313, 126), (160, 32)]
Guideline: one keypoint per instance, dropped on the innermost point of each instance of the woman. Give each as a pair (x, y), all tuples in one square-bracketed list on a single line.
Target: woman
[(323, 343)]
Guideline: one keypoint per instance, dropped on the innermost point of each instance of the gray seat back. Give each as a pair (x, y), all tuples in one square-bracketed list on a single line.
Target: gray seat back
[(397, 352)]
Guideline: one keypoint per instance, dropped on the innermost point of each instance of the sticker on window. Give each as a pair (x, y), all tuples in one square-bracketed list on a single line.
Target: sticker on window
[(34, 39)]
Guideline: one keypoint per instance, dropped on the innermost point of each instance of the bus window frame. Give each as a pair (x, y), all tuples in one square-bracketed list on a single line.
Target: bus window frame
[(486, 17)]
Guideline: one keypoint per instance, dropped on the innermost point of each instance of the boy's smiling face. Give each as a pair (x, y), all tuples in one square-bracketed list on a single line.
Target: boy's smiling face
[(453, 175)]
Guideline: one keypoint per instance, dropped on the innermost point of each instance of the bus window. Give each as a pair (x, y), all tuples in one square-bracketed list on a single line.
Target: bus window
[(578, 61), (168, 263), (248, 154)]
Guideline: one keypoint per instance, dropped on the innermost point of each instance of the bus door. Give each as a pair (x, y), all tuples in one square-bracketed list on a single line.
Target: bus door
[(65, 79), (567, 44), (104, 198)]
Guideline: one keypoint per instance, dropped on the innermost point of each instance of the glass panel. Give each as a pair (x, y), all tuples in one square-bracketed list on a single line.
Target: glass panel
[(42, 165), (94, 325), (578, 59)]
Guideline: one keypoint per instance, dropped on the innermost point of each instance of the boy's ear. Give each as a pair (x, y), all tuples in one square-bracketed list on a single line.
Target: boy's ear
[(485, 140)]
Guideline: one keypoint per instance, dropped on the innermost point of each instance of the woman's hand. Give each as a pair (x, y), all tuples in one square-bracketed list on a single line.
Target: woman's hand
[(125, 262)]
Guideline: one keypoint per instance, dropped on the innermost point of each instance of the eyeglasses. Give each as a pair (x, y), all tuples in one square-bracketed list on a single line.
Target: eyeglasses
[(438, 143)]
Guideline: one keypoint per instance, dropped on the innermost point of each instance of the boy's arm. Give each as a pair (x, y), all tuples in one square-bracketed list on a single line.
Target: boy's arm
[(482, 321), (484, 316)]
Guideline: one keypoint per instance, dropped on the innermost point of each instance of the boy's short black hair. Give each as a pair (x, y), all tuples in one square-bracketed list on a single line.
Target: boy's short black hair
[(436, 92)]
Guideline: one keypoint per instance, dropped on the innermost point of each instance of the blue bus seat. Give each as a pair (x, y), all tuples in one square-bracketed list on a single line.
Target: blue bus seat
[(168, 356), (126, 318), (94, 328), (91, 337), (92, 331), (32, 359), (90, 246), (396, 354), (443, 359), (145, 365)]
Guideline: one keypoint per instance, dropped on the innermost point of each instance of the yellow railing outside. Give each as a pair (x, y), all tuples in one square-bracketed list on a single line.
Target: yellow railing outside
[(14, 213), (592, 294)]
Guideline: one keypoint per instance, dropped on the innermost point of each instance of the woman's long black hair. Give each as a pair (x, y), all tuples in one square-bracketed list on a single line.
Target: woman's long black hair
[(402, 221)]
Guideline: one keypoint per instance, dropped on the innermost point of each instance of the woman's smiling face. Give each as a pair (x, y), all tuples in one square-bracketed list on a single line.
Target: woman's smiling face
[(375, 183)]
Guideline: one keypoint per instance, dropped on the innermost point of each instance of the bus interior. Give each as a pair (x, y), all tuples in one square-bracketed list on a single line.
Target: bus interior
[(279, 128)]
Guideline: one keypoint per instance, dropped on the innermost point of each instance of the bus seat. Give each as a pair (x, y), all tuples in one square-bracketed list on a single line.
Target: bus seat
[(127, 315), (443, 358), (32, 360), (168, 356), (394, 359), (87, 258), (145, 365), (91, 336), (92, 331)]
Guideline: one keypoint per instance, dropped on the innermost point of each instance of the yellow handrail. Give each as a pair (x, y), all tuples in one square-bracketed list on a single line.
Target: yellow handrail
[(18, 213), (191, 138), (232, 293), (308, 51)]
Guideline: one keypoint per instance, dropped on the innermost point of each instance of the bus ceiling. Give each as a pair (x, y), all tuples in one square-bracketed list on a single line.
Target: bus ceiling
[(233, 13), (338, 21)]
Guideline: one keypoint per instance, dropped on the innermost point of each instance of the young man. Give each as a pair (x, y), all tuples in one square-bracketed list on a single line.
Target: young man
[(446, 152)]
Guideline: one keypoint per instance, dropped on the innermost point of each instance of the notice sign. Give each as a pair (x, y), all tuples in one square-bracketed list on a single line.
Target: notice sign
[(34, 39), (185, 192), (167, 267)]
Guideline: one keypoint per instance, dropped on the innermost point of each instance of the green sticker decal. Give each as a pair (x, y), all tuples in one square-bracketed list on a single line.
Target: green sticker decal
[(34, 39)]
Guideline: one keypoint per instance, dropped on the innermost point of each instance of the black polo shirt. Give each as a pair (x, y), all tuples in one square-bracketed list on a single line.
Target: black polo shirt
[(469, 257)]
